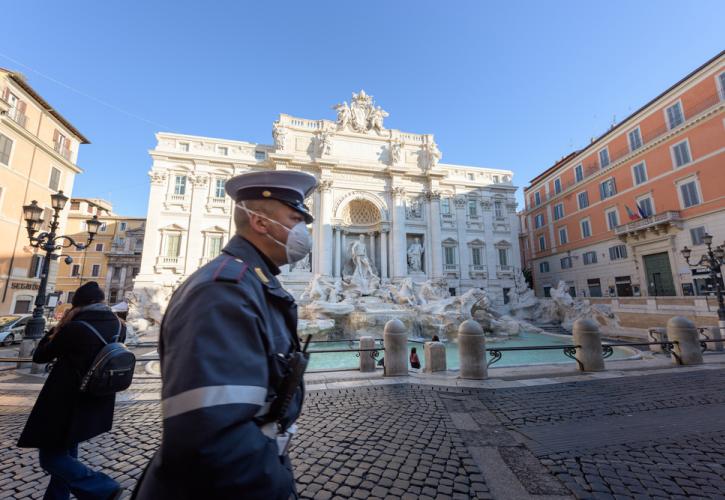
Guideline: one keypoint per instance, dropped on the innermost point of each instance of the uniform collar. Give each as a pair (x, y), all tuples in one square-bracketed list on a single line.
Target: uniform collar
[(243, 249)]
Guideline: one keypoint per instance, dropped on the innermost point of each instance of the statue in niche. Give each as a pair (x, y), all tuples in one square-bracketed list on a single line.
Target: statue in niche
[(343, 114), (359, 256), (415, 256), (377, 114), (279, 135)]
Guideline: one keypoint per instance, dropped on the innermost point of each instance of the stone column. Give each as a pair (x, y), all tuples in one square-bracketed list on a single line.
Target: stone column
[(122, 281), (109, 277), (384, 254), (686, 339), (400, 266), (586, 334), (373, 252), (434, 223), (338, 251), (325, 238), (395, 340), (472, 350), (367, 361), (461, 218)]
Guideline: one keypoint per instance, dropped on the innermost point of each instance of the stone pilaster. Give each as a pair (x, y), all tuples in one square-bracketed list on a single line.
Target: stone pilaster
[(325, 229), (400, 266), (434, 218), (461, 216)]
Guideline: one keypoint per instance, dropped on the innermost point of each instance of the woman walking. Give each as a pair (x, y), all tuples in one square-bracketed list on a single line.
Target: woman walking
[(63, 416)]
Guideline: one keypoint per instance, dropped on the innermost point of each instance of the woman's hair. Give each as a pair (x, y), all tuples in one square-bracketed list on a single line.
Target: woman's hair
[(412, 350)]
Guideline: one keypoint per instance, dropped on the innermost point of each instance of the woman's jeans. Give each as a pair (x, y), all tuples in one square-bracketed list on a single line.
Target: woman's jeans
[(68, 475)]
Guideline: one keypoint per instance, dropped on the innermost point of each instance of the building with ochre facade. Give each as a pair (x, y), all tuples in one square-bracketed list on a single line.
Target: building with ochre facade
[(612, 218)]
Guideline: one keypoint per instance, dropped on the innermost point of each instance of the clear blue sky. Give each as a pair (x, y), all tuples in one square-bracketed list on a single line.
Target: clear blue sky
[(508, 84)]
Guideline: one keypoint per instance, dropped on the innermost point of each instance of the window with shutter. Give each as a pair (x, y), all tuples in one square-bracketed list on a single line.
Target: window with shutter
[(6, 145), (579, 173), (697, 233), (674, 115), (604, 158), (690, 197), (54, 182), (635, 139), (640, 173), (681, 154)]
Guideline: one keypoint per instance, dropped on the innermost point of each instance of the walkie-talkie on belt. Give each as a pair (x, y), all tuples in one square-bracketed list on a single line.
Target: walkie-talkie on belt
[(296, 365)]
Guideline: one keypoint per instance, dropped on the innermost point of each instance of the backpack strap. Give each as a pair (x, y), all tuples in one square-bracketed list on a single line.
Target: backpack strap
[(118, 333), (91, 328)]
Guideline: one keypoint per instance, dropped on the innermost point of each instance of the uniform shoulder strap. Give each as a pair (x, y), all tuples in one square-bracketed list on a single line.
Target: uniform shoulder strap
[(230, 269)]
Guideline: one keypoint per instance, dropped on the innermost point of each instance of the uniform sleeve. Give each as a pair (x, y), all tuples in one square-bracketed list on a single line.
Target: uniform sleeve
[(215, 373)]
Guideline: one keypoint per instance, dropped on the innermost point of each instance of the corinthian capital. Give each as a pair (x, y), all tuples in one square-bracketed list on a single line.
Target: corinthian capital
[(398, 191), (324, 185), (158, 177)]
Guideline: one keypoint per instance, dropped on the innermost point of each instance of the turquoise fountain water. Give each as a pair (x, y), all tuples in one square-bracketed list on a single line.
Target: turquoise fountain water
[(349, 360)]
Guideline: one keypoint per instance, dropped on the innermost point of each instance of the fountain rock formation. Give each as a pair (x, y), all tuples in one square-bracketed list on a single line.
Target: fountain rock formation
[(561, 308)]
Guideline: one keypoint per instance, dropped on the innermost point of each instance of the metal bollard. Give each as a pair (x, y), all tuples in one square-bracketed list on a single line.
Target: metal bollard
[(658, 335), (472, 350), (686, 339), (587, 335), (395, 340), (367, 361), (435, 357)]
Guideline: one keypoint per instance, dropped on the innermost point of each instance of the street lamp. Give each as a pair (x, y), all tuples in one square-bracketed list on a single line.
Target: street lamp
[(48, 242), (713, 260)]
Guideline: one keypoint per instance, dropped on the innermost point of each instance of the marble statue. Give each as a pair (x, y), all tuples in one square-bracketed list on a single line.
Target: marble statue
[(324, 144), (279, 134), (343, 114), (432, 155), (362, 269), (415, 254), (376, 118), (396, 153), (302, 265), (361, 115)]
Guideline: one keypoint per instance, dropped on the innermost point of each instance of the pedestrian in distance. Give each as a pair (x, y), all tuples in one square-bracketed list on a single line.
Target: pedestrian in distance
[(414, 361), (231, 361), (63, 416)]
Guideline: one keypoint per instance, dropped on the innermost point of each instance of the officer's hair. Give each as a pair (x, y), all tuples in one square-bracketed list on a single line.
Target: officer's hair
[(241, 219)]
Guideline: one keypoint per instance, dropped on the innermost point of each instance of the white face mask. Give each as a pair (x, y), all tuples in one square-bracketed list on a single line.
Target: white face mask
[(299, 242)]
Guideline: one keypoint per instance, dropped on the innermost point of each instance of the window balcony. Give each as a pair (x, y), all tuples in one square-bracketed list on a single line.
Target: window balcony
[(17, 116), (177, 197), (658, 223), (504, 270), (477, 270), (175, 264)]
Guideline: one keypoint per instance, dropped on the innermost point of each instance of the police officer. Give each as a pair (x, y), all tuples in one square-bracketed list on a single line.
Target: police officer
[(226, 342)]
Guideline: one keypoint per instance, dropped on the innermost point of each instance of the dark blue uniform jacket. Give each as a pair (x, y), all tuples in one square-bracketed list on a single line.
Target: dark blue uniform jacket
[(221, 331)]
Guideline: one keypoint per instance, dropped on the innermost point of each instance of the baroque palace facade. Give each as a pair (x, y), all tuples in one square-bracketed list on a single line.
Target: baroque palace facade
[(419, 218)]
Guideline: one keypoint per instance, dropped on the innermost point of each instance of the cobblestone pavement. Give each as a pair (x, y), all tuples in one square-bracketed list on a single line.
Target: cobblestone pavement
[(657, 436)]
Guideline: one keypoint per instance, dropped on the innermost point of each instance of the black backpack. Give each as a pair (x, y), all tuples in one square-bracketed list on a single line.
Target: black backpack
[(112, 369)]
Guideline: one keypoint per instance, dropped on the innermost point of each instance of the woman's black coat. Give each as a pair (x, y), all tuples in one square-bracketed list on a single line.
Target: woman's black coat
[(62, 415)]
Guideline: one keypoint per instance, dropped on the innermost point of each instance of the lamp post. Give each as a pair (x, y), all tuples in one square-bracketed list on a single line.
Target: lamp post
[(48, 242), (713, 260)]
